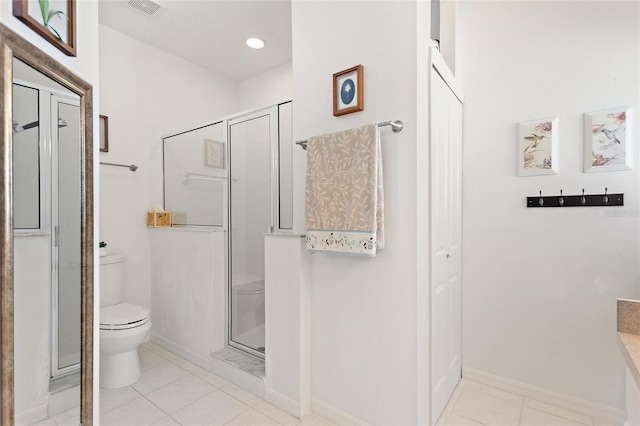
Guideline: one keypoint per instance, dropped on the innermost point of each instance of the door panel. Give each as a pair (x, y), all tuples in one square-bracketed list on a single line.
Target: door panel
[(67, 218), (446, 296), (251, 216)]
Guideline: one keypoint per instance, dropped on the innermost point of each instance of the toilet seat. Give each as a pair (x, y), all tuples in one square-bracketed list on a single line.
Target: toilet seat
[(123, 316)]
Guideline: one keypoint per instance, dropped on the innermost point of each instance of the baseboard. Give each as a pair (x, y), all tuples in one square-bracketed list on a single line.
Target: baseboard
[(332, 414), (606, 413), (32, 416), (203, 362), (286, 404)]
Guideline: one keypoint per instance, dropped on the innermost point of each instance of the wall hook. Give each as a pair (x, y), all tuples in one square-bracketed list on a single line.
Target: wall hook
[(593, 200)]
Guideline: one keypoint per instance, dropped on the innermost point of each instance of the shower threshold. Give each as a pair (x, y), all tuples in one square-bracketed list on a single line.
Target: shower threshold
[(240, 368), (242, 360)]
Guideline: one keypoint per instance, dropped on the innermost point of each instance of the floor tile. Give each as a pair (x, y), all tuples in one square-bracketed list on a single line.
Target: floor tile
[(488, 409), (162, 352), (149, 359), (74, 412), (70, 421), (456, 420), (46, 422), (601, 422), (138, 412), (186, 365), (315, 420), (533, 417), (493, 391), (252, 417), (211, 378), (216, 408), (112, 398), (167, 421), (180, 393), (158, 376), (275, 413), (560, 412), (241, 394)]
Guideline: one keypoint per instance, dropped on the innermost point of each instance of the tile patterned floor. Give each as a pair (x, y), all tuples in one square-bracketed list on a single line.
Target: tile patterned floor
[(476, 404), (173, 391)]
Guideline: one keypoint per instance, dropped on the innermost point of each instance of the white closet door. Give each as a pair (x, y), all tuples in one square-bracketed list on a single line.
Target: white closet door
[(446, 215)]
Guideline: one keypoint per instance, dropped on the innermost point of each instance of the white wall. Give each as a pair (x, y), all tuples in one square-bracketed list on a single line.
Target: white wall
[(84, 64), (364, 324), (147, 94), (540, 285), (265, 89)]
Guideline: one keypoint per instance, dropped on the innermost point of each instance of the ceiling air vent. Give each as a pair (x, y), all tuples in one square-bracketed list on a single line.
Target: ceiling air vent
[(148, 7)]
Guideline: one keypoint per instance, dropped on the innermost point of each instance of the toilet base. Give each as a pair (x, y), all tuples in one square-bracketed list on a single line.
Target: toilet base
[(119, 370)]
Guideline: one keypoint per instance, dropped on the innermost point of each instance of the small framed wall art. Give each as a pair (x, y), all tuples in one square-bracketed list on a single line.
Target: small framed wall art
[(606, 134), (213, 154), (538, 147), (53, 20), (104, 133), (348, 91)]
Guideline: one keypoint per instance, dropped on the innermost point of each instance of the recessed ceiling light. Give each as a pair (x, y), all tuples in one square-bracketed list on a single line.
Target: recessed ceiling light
[(255, 43)]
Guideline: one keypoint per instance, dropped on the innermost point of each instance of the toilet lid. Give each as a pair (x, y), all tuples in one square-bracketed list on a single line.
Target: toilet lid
[(123, 315)]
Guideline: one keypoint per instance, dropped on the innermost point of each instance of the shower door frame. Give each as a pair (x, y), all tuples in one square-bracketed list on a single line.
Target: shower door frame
[(48, 178), (53, 155), (272, 113)]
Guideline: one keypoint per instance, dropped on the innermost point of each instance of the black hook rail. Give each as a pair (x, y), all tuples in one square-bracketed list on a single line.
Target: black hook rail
[(594, 200)]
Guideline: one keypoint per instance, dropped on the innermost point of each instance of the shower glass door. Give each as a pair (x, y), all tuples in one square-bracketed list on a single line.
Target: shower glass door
[(251, 215), (67, 162)]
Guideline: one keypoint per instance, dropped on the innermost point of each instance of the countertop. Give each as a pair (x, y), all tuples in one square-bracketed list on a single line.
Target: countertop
[(629, 335)]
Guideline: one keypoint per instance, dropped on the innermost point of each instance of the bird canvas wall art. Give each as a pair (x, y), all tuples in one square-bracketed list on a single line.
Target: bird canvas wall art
[(606, 134), (538, 147)]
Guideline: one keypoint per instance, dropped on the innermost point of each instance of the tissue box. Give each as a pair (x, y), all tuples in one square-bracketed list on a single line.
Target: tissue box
[(158, 219)]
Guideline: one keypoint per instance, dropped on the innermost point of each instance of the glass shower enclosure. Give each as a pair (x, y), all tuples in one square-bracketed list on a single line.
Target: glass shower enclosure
[(236, 174)]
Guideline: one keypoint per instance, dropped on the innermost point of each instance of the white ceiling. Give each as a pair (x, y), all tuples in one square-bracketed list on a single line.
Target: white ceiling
[(211, 33)]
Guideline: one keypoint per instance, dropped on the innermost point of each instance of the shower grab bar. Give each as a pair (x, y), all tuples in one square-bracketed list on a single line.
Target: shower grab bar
[(396, 126), (131, 167)]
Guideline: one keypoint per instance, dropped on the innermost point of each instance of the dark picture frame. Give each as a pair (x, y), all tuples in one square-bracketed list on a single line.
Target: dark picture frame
[(51, 28), (348, 91)]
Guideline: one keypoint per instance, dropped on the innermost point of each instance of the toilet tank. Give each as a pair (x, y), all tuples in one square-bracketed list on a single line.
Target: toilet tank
[(111, 279)]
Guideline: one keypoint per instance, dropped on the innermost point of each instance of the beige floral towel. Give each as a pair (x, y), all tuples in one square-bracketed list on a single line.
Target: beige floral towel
[(344, 201)]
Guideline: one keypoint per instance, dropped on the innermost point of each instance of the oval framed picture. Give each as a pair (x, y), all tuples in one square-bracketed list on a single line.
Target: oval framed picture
[(348, 91)]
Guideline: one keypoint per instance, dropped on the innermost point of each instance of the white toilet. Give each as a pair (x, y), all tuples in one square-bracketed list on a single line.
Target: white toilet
[(123, 327)]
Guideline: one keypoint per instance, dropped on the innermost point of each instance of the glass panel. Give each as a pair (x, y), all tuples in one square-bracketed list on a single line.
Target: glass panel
[(69, 225), (26, 158), (250, 219), (285, 162), (195, 176)]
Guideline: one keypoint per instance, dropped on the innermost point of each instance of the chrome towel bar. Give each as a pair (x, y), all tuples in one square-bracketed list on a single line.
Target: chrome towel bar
[(396, 126)]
